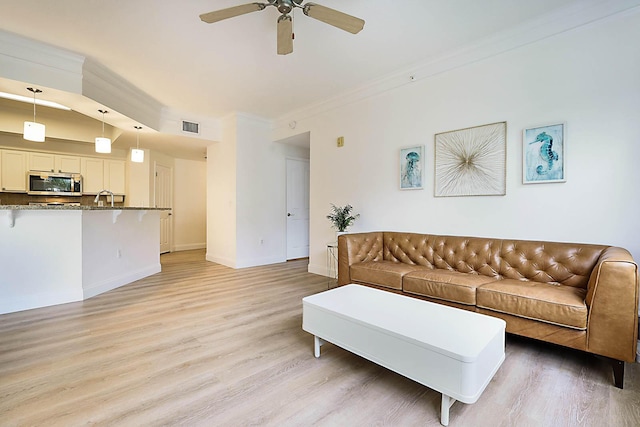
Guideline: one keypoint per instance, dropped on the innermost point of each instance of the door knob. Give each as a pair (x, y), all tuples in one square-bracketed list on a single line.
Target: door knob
[(289, 214)]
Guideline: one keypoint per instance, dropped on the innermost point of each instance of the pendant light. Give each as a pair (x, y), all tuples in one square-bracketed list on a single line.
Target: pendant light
[(103, 145), (34, 131), (137, 155)]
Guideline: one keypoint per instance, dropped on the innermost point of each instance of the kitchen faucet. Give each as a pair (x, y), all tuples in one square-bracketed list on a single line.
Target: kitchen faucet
[(103, 191)]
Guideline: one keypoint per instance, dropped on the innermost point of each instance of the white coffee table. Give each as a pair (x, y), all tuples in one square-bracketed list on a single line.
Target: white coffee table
[(455, 352)]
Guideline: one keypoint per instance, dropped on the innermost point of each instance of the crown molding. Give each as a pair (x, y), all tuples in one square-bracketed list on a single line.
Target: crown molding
[(109, 89), (33, 62), (566, 19)]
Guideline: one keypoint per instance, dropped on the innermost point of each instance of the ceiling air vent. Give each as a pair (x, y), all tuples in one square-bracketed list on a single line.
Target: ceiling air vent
[(191, 127)]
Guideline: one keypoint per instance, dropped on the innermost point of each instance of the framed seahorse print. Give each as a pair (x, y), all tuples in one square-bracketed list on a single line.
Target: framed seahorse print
[(543, 154)]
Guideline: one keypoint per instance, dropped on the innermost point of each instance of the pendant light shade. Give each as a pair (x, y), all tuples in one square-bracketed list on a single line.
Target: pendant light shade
[(34, 131), (103, 145), (137, 155)]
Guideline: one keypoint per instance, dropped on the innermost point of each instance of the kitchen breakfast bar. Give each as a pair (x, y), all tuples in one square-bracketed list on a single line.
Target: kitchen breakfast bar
[(59, 254)]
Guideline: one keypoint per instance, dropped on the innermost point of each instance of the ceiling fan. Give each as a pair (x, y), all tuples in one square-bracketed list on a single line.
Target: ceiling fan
[(285, 24)]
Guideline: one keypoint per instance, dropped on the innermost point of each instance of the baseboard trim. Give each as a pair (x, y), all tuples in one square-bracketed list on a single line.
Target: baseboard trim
[(115, 282), (189, 247), (318, 269)]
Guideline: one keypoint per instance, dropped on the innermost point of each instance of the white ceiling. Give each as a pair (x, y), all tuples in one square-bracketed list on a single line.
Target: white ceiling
[(211, 70)]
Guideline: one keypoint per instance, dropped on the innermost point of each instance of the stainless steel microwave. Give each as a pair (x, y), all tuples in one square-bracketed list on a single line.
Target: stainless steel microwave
[(56, 184)]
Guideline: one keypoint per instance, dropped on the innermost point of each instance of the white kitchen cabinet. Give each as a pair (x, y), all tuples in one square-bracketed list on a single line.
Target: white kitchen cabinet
[(54, 163), (44, 162), (114, 176), (97, 174), (13, 170), (92, 171), (67, 164)]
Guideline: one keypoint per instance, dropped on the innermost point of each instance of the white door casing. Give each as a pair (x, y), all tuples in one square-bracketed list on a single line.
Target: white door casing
[(297, 208), (164, 199)]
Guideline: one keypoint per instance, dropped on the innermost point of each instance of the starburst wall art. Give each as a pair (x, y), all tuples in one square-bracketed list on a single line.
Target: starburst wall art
[(471, 161)]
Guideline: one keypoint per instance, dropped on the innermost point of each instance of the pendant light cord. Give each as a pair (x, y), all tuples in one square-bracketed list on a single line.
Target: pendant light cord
[(138, 136), (34, 91), (103, 113)]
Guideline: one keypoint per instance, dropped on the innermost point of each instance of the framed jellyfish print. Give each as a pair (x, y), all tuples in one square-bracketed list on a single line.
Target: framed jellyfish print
[(543, 154), (411, 167)]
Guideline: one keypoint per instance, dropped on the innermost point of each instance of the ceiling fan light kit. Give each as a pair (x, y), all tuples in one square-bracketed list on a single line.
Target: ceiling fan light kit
[(324, 14), (285, 35)]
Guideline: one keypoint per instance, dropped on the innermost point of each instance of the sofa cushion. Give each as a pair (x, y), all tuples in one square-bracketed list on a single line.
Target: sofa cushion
[(557, 304), (566, 264), (382, 273), (445, 285)]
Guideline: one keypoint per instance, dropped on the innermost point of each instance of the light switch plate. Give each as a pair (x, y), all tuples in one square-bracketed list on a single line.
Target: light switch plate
[(341, 141)]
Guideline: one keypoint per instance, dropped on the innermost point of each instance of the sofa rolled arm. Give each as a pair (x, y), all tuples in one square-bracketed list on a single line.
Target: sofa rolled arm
[(612, 298), (357, 247)]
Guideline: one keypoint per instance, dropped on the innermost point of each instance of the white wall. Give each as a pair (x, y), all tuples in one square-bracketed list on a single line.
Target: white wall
[(260, 195), (139, 183), (246, 194), (589, 78), (35, 258), (221, 196), (190, 205), (50, 257), (118, 247)]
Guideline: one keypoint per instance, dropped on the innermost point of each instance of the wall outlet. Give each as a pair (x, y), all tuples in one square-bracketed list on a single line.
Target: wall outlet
[(100, 203)]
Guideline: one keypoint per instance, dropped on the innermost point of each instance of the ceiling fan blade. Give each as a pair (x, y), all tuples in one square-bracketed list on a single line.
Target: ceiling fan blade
[(230, 12), (333, 17), (285, 35)]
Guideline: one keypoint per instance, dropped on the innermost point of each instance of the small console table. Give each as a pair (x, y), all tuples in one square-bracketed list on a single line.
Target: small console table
[(332, 264)]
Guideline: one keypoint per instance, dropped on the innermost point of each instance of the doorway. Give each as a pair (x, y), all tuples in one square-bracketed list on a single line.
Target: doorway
[(164, 199), (297, 208)]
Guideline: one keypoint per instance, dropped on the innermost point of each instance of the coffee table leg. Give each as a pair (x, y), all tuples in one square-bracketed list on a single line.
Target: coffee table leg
[(317, 343), (447, 402)]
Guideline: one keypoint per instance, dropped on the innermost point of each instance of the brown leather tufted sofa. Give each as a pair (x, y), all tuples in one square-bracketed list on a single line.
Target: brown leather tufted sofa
[(575, 295)]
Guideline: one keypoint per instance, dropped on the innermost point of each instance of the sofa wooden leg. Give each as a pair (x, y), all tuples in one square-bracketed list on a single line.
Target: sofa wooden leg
[(618, 372)]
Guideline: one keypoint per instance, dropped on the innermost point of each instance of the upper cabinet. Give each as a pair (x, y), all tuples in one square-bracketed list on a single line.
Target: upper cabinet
[(42, 162), (68, 164), (54, 163), (97, 174), (92, 171), (13, 170), (114, 176)]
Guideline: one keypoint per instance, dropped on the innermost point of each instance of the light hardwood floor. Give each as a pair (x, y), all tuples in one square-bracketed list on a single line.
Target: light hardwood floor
[(201, 344)]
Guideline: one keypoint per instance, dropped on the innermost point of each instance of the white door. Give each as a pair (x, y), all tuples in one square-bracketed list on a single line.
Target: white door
[(164, 199), (297, 208)]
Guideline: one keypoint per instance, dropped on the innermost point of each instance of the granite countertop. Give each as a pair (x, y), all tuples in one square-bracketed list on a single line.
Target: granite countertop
[(78, 208)]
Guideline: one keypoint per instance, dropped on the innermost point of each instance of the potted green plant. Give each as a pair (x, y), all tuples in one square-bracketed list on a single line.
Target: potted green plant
[(341, 217)]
